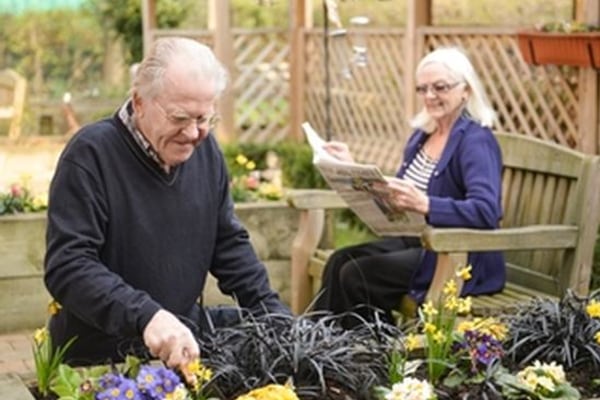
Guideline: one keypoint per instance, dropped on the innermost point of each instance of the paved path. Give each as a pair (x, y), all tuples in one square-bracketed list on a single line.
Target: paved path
[(15, 353)]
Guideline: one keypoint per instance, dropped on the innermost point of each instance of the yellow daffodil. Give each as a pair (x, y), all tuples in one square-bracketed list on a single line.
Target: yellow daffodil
[(250, 165), (198, 370), (451, 303), (412, 342), (464, 305), (54, 307), (464, 273), (429, 328), (429, 310), (439, 337), (450, 288), (40, 336), (593, 309)]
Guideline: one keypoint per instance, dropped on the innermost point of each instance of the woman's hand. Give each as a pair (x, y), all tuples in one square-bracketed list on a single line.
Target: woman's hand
[(339, 150), (404, 195)]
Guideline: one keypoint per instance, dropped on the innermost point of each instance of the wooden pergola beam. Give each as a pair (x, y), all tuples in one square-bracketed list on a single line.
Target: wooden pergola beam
[(299, 9), (418, 14), (223, 47), (148, 23), (588, 11)]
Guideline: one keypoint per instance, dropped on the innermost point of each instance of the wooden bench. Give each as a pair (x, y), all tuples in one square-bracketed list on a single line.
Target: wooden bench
[(551, 201), (12, 100)]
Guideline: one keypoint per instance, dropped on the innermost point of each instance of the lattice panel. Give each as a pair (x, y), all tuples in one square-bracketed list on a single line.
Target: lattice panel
[(367, 102), (537, 101), (261, 85)]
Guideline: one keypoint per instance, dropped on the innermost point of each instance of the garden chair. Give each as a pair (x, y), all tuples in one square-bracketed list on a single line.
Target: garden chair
[(551, 207)]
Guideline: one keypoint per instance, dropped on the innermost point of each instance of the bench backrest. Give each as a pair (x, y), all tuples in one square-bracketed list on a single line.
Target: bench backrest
[(548, 184), (12, 100)]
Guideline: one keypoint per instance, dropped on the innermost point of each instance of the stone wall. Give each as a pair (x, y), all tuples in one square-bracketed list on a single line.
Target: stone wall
[(23, 299)]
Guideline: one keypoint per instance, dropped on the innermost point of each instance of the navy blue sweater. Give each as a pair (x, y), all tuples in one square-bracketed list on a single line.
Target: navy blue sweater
[(464, 191), (125, 239)]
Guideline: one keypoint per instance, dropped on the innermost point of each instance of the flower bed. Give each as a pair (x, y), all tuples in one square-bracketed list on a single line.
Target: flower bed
[(548, 350)]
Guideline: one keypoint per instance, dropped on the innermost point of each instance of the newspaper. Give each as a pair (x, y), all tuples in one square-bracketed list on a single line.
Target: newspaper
[(353, 182)]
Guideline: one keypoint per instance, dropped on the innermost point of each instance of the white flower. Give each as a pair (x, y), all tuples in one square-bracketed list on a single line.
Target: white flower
[(411, 389)]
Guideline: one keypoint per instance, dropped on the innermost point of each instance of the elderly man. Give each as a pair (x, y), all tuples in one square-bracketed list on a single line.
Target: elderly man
[(140, 213)]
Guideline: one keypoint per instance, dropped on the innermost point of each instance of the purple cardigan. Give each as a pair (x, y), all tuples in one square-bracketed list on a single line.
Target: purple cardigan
[(464, 191)]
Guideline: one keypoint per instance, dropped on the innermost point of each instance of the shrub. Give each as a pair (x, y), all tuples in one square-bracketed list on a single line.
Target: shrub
[(567, 331), (18, 199)]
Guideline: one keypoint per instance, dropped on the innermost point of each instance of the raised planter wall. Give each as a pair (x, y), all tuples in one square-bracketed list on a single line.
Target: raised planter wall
[(24, 299)]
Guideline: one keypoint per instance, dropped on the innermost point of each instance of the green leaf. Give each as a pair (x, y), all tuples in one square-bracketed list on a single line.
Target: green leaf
[(67, 382)]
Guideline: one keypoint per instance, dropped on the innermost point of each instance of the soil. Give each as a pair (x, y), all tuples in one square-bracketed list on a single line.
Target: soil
[(579, 378)]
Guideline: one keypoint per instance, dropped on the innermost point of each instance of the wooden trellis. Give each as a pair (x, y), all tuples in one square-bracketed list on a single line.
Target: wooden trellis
[(275, 83)]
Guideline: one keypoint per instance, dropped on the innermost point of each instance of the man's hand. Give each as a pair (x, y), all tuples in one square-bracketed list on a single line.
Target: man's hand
[(171, 341)]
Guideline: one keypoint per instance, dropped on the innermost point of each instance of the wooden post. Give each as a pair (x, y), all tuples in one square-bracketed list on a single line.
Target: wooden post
[(148, 24), (418, 14), (223, 40), (588, 11), (297, 66)]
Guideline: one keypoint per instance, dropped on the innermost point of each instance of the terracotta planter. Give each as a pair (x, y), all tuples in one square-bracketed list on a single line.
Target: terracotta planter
[(577, 49)]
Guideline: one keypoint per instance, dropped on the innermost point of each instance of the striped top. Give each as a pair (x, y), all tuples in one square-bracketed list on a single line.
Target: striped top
[(420, 169)]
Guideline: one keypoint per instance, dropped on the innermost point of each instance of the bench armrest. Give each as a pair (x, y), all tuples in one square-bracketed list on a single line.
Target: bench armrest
[(534, 237), (309, 199)]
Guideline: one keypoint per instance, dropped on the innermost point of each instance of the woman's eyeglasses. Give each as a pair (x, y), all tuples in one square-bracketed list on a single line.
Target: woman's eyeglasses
[(436, 88)]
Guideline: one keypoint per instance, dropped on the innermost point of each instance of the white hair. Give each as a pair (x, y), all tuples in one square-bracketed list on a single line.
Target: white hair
[(459, 66), (149, 75)]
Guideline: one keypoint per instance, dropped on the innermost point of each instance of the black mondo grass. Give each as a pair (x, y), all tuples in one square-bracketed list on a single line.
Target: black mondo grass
[(321, 360), (550, 330)]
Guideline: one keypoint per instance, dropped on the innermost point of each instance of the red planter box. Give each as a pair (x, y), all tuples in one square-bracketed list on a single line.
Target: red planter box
[(577, 49)]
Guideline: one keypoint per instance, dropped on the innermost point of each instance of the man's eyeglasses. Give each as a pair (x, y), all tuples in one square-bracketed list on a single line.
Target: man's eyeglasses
[(183, 121), (436, 88)]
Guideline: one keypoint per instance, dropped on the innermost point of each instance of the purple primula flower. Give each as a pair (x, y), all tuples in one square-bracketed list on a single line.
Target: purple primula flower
[(110, 380), (481, 348), (126, 390), (169, 379), (156, 382)]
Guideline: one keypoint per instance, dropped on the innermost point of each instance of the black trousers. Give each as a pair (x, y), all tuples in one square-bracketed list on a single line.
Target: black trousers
[(369, 276)]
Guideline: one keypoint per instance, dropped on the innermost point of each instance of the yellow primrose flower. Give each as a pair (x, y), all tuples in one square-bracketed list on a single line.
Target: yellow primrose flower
[(40, 201), (270, 191), (465, 273), (593, 309), (546, 383), (556, 372), (464, 305), (241, 159), (250, 165), (466, 325), (180, 393), (429, 310), (40, 336), (597, 337), (53, 307), (271, 392), (412, 342), (450, 288)]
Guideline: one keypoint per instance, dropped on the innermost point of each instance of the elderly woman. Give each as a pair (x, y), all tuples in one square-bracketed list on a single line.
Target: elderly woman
[(451, 173)]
